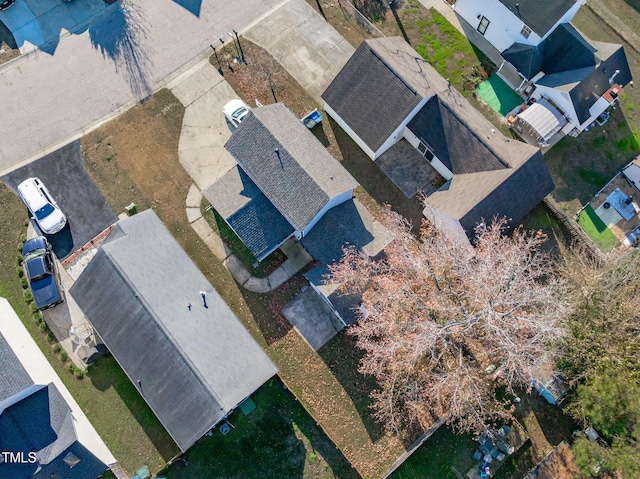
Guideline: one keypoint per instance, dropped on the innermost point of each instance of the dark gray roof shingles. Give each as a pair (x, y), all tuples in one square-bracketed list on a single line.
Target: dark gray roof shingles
[(247, 210), (13, 376), (287, 163), (372, 104), (458, 147), (538, 15)]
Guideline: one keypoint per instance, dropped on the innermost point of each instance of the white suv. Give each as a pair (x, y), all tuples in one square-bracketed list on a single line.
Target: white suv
[(41, 206)]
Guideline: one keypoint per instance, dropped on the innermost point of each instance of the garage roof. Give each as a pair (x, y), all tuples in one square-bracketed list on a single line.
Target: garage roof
[(192, 366)]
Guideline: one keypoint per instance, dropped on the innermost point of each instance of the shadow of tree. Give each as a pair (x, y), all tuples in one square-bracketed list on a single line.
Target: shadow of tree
[(373, 179), (374, 10), (119, 37), (343, 357)]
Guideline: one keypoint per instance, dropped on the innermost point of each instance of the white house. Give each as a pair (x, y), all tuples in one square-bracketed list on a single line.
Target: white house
[(284, 181), (505, 22), (572, 79)]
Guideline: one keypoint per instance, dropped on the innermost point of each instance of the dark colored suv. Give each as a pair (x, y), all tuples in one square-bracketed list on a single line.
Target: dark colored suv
[(41, 272), (6, 3)]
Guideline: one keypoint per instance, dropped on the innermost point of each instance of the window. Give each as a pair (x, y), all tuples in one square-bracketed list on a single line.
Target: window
[(484, 24), (525, 32), (425, 151)]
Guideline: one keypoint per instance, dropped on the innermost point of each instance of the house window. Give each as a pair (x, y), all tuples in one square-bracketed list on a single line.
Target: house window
[(525, 32), (425, 151), (484, 24)]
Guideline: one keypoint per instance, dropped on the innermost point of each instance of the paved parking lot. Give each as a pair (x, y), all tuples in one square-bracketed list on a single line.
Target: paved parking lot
[(87, 212)]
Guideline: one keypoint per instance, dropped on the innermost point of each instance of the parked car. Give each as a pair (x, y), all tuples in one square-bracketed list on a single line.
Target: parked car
[(42, 206), (41, 272), (6, 3), (235, 111)]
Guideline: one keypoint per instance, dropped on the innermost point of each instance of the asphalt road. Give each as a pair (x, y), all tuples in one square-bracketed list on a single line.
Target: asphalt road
[(46, 99), (88, 214)]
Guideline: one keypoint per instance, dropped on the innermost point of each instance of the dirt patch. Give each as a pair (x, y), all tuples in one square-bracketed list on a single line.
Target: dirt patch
[(262, 79), (8, 47)]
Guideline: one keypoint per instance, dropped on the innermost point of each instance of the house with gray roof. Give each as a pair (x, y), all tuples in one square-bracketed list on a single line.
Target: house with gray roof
[(43, 432), (400, 111), (505, 22), (284, 180), (189, 357), (571, 78)]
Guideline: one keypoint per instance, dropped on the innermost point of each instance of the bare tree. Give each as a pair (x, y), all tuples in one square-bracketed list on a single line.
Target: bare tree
[(445, 323)]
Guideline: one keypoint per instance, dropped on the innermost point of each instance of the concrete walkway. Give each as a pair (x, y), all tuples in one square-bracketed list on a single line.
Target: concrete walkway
[(297, 257), (307, 46)]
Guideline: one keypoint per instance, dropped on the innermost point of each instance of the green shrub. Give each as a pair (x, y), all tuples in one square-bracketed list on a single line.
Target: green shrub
[(19, 260), (64, 356), (20, 271), (23, 237), (28, 296), (24, 282), (37, 317), (43, 326), (34, 308), (51, 337), (57, 348), (79, 373)]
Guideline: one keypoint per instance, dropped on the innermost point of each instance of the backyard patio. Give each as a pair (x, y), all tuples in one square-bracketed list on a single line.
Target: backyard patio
[(613, 214)]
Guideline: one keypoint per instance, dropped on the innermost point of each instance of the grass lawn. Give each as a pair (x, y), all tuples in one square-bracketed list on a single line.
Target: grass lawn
[(277, 439), (105, 394), (597, 230), (437, 455), (143, 165)]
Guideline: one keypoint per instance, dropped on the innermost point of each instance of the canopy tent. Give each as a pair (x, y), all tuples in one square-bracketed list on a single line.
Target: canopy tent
[(543, 118)]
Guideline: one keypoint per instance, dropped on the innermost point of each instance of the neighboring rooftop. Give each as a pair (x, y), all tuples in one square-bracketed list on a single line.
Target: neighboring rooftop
[(538, 15), (492, 174), (191, 364), (287, 163), (37, 418), (346, 225)]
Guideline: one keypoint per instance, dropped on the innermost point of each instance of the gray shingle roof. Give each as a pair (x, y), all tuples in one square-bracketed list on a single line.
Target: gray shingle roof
[(481, 159), (512, 192), (192, 366), (41, 422), (287, 163), (348, 224), (250, 214), (13, 376), (459, 148), (375, 103), (538, 15), (527, 59)]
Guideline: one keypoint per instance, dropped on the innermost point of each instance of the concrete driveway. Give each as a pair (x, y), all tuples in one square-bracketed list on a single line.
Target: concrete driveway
[(205, 129), (307, 46), (48, 100), (87, 212), (39, 24)]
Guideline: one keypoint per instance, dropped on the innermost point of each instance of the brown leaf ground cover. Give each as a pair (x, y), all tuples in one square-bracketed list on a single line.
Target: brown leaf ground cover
[(134, 158)]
